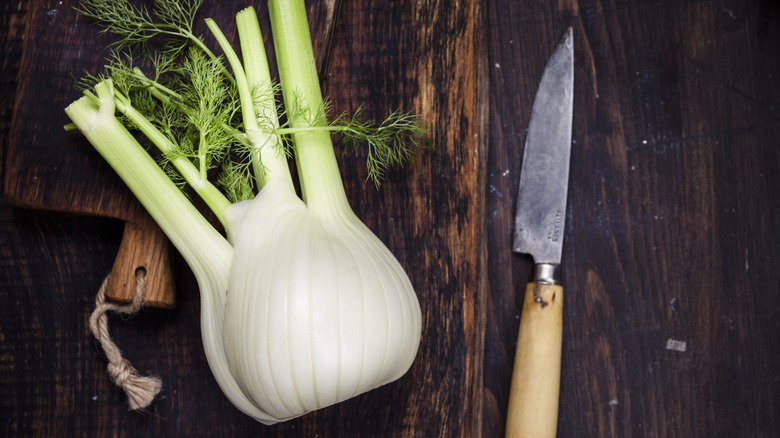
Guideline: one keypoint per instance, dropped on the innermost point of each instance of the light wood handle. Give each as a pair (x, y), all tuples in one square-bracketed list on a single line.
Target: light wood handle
[(533, 397), (143, 245)]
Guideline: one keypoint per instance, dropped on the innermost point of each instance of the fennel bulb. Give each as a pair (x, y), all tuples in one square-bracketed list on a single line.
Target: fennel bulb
[(324, 310), (302, 305)]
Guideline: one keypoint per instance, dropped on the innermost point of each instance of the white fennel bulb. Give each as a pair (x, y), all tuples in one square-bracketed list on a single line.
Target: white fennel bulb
[(318, 310)]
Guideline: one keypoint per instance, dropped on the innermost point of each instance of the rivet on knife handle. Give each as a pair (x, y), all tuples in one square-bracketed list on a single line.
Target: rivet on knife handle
[(539, 226)]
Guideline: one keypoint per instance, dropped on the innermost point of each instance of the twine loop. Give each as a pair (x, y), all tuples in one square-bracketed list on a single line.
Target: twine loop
[(140, 390)]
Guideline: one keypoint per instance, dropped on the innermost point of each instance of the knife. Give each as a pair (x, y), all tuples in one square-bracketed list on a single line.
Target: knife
[(539, 226)]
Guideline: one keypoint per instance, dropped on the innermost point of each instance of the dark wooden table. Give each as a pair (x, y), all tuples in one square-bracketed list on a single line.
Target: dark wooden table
[(672, 320)]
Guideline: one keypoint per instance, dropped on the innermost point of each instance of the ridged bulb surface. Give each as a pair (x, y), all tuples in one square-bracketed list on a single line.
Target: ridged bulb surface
[(318, 309)]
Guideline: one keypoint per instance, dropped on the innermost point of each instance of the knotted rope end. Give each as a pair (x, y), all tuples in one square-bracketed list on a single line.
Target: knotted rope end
[(140, 390)]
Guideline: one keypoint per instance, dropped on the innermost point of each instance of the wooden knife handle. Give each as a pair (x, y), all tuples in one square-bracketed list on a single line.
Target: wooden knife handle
[(143, 246), (533, 397)]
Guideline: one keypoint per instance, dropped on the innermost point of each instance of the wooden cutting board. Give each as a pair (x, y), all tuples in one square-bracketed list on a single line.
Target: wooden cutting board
[(50, 169)]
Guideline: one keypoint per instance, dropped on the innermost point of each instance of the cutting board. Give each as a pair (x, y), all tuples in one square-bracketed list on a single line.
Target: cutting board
[(48, 168)]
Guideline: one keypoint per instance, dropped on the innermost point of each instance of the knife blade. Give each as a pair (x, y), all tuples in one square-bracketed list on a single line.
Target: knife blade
[(539, 229)]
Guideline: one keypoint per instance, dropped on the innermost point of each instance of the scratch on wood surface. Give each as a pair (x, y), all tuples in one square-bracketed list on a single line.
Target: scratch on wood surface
[(676, 345)]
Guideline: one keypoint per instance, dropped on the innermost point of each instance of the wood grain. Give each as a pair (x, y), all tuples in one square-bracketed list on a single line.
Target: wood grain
[(672, 232), (405, 54)]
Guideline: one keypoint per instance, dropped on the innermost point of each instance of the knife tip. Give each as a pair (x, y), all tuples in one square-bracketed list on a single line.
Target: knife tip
[(568, 38)]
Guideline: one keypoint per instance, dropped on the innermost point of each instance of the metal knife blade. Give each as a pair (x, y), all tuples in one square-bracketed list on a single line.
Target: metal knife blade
[(544, 177)]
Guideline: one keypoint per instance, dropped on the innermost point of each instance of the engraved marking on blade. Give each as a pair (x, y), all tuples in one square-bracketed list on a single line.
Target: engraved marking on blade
[(552, 224)]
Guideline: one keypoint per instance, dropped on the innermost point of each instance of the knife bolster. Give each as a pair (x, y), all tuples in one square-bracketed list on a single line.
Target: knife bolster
[(547, 273)]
